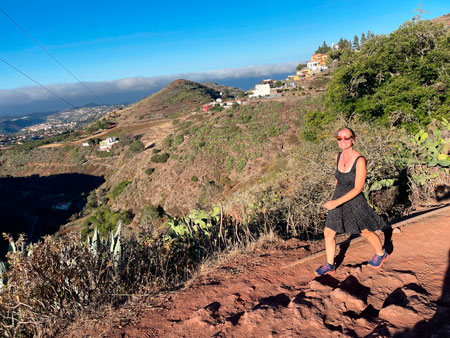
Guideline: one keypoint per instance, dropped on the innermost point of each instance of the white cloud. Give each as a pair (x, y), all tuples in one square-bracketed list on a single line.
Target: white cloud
[(19, 100)]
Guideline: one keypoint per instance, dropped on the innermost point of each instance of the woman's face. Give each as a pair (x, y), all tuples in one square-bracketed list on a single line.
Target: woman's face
[(345, 139)]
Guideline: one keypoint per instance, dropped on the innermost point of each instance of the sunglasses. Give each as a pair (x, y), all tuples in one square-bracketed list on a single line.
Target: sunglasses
[(340, 138)]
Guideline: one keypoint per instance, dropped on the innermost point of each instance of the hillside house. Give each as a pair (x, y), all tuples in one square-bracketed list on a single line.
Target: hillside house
[(260, 90), (106, 145), (313, 65), (270, 82), (206, 107), (320, 58)]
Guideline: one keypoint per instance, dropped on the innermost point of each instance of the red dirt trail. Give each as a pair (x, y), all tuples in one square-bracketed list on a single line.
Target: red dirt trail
[(270, 293)]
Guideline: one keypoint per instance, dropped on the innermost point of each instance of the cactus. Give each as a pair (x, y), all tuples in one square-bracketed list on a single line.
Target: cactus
[(429, 151), (432, 151), (378, 185)]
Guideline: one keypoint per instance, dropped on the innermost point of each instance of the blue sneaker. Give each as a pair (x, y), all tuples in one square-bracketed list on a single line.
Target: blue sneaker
[(325, 269), (377, 260)]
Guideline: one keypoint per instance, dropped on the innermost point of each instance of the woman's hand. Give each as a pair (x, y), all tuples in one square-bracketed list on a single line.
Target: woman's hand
[(330, 205)]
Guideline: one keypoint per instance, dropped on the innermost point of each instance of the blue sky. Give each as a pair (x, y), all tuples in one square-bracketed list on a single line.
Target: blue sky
[(112, 40)]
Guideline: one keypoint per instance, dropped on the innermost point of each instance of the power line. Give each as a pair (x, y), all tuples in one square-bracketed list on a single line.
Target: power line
[(49, 54), (18, 70)]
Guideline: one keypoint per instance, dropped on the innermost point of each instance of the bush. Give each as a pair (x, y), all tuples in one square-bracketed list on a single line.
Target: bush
[(104, 219), (52, 282), (117, 190), (136, 147), (194, 178), (400, 72), (178, 140), (150, 213), (149, 171), (160, 158)]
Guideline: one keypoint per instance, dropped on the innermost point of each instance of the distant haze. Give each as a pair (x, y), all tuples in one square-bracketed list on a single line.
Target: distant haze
[(25, 100)]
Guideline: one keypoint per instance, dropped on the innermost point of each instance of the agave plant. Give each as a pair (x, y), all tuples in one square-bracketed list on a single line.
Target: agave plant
[(112, 241)]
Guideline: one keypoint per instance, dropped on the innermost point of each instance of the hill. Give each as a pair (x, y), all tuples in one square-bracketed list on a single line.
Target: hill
[(227, 91), (16, 124), (179, 97), (444, 19)]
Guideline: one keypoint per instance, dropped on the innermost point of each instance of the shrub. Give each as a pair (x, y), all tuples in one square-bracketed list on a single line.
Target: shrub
[(104, 219), (216, 108), (168, 141), (150, 213), (136, 147), (178, 140), (52, 282), (149, 171), (104, 154), (117, 190), (160, 158), (194, 178)]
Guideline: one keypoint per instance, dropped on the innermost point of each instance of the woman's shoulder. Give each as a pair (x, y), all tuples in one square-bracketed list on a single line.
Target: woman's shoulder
[(360, 159)]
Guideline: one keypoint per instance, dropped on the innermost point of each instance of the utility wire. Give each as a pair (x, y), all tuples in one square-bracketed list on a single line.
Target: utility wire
[(62, 99), (48, 53)]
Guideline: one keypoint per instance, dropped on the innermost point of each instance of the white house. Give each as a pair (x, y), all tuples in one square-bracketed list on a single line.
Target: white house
[(313, 65), (261, 90), (107, 144)]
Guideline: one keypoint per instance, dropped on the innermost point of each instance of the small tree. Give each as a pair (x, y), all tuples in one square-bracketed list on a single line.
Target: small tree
[(363, 39), (324, 48), (355, 45)]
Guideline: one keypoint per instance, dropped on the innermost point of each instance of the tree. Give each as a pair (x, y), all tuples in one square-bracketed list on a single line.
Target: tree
[(405, 73), (355, 44), (323, 49), (370, 35), (344, 44), (421, 11), (300, 66), (363, 39)]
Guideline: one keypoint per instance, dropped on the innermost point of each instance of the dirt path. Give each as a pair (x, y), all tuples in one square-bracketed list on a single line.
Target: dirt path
[(271, 294)]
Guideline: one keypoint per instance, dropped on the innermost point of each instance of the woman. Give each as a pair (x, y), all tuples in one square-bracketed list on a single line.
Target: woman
[(348, 211)]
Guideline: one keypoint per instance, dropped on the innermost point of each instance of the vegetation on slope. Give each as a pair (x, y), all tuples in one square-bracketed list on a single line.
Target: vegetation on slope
[(398, 79)]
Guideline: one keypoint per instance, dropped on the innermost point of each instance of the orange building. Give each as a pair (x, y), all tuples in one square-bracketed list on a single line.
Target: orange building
[(320, 58)]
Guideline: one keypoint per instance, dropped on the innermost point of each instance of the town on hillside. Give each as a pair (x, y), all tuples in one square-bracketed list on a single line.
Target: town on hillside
[(23, 129), (270, 88)]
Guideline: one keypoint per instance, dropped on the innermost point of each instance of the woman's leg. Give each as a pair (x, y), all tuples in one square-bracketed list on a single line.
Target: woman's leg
[(374, 240), (330, 244)]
